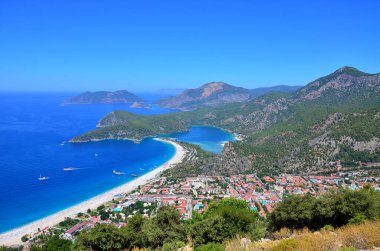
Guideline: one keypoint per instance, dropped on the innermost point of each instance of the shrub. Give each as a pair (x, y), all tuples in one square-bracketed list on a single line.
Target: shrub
[(238, 244), (171, 246), (285, 245), (357, 219), (210, 247), (327, 228), (317, 241), (282, 233), (24, 238), (347, 249)]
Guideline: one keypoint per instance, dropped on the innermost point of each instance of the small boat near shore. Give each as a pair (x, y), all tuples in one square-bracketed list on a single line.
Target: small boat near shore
[(117, 173), (43, 178), (68, 169), (134, 175)]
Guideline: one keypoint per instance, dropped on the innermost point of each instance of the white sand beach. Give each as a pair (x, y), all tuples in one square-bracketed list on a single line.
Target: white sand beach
[(13, 237)]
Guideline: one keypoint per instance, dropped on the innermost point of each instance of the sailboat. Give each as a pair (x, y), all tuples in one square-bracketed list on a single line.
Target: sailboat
[(43, 178), (117, 173)]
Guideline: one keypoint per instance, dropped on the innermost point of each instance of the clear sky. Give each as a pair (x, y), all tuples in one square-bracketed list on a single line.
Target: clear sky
[(146, 45)]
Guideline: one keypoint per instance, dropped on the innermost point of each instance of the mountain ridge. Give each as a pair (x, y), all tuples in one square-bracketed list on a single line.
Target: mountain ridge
[(278, 128)]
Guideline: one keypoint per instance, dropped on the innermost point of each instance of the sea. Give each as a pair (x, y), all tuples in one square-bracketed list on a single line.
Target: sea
[(34, 134)]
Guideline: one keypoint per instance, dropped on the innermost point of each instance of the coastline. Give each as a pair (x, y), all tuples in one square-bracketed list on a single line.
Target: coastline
[(13, 236)]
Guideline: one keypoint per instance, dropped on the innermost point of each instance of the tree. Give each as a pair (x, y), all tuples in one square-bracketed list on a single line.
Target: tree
[(293, 212), (103, 237), (222, 221), (336, 208), (166, 226), (133, 231), (104, 215)]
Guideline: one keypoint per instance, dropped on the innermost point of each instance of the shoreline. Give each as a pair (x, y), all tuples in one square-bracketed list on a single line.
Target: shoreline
[(13, 236)]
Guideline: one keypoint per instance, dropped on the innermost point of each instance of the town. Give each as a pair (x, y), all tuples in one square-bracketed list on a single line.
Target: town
[(194, 194)]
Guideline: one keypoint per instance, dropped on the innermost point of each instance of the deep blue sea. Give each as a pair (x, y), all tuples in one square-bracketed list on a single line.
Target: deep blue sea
[(33, 129)]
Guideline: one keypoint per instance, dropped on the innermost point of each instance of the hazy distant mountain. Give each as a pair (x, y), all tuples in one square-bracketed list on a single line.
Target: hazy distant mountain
[(170, 91), (103, 97), (278, 88), (216, 93), (210, 94)]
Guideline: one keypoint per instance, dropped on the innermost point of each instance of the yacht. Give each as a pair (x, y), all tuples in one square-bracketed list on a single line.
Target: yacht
[(117, 173), (68, 169), (43, 178)]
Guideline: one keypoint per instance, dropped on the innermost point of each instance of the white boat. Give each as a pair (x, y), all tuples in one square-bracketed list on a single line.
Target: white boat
[(68, 169), (117, 173), (43, 178), (96, 155)]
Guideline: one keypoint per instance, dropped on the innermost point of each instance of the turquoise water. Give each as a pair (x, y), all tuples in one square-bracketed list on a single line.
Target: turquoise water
[(33, 128), (209, 138)]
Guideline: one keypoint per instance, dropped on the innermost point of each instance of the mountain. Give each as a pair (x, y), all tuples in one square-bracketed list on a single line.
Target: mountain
[(277, 88), (334, 117), (103, 97), (211, 94)]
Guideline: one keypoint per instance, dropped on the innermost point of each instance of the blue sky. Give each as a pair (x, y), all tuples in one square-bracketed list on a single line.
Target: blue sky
[(146, 45)]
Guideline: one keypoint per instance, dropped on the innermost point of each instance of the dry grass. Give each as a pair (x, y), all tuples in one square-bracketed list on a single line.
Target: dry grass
[(364, 236), (282, 234)]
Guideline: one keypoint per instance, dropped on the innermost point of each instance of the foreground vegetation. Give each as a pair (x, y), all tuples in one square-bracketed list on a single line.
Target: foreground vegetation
[(354, 214), (348, 238)]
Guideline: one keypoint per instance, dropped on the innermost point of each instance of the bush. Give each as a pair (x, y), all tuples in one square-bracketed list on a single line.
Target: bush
[(282, 233), (317, 241), (172, 246), (347, 249), (357, 219), (24, 238), (210, 247), (285, 245), (327, 228)]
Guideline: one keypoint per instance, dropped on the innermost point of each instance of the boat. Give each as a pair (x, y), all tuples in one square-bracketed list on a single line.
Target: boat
[(68, 169), (134, 175), (43, 178), (141, 169), (96, 155), (117, 173)]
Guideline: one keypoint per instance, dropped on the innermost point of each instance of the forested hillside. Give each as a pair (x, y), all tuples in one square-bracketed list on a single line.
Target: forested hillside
[(334, 117)]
